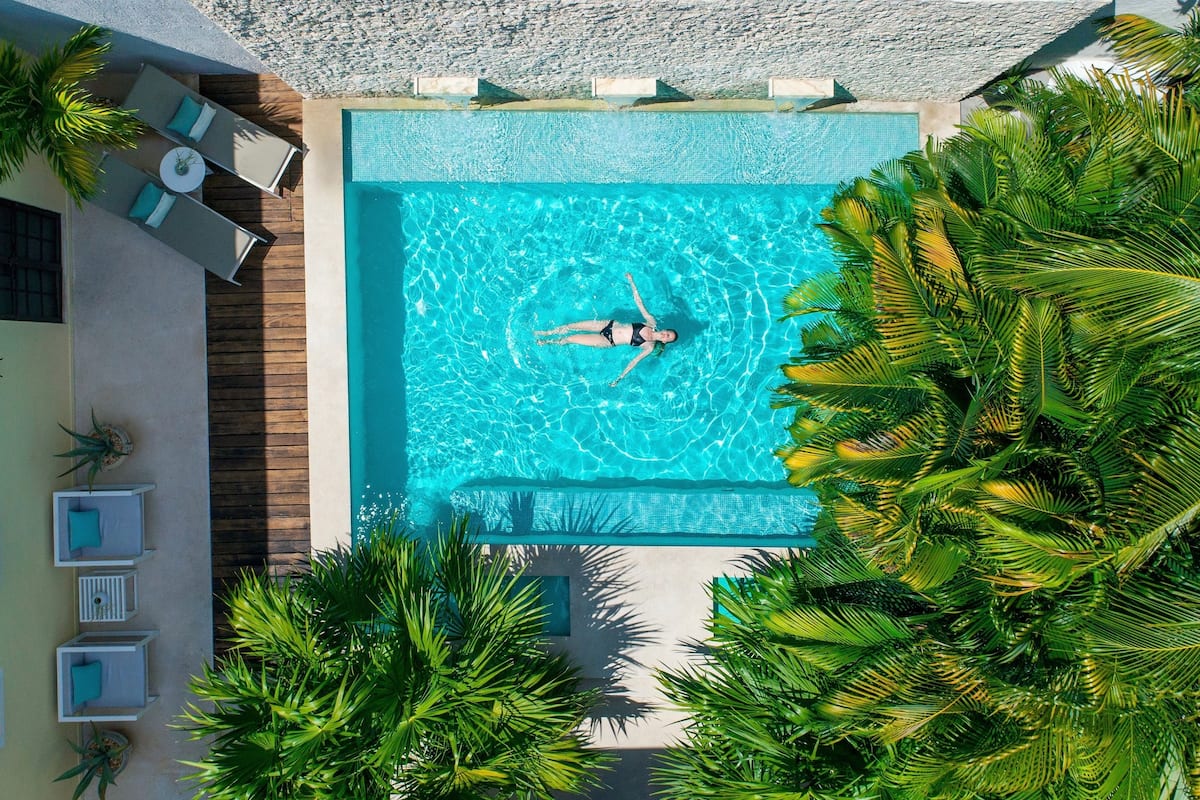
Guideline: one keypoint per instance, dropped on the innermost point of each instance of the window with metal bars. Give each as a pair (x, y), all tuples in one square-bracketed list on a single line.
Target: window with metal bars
[(30, 263)]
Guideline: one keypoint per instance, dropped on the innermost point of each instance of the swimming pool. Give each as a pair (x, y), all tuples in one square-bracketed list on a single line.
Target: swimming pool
[(468, 231)]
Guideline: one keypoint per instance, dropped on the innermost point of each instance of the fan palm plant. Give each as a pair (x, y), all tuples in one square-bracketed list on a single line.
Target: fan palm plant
[(44, 109), (392, 669), (998, 404)]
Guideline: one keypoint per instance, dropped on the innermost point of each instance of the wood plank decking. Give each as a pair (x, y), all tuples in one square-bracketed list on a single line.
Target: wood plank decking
[(257, 371)]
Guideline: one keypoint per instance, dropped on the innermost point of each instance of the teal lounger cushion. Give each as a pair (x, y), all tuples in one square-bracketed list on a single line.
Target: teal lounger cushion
[(146, 202), (185, 116), (83, 528), (85, 682)]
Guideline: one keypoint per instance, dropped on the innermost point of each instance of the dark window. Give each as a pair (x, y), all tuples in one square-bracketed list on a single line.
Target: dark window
[(30, 263)]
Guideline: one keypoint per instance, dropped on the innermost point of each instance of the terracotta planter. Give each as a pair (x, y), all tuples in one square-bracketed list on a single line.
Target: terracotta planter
[(114, 739), (121, 442)]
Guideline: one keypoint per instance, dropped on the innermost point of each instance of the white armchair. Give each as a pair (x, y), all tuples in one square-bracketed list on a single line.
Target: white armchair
[(100, 527), (104, 677)]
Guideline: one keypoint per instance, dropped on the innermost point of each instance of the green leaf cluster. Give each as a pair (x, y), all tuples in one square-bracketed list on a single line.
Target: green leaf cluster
[(998, 403), (44, 108), (396, 668), (92, 449)]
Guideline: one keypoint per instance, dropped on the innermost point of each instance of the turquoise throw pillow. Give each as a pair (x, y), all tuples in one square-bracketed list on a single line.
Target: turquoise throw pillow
[(146, 202), (83, 528), (85, 682), (185, 117)]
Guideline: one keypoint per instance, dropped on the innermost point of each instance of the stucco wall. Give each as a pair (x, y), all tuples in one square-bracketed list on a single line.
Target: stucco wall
[(37, 600), (917, 49)]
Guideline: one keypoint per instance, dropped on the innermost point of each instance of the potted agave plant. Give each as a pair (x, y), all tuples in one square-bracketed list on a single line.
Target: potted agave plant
[(101, 758), (103, 448)]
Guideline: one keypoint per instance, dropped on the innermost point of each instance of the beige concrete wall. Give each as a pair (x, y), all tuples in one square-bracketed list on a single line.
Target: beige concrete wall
[(37, 601)]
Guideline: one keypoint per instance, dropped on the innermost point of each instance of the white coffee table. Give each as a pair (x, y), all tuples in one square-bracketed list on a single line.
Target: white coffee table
[(187, 181)]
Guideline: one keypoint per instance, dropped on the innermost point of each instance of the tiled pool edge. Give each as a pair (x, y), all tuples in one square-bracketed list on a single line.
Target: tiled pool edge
[(325, 316)]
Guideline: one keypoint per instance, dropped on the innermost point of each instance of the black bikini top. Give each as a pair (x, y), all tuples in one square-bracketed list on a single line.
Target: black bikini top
[(636, 340)]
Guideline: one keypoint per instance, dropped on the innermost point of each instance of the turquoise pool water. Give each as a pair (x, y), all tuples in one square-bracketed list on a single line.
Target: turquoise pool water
[(468, 231)]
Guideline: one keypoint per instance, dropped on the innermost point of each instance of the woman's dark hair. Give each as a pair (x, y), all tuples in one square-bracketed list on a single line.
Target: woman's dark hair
[(661, 347)]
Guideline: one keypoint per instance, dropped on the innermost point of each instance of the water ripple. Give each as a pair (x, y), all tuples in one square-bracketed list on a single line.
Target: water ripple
[(455, 278)]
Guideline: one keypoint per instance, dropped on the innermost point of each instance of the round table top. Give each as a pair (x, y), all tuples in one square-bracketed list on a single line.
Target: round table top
[(190, 179)]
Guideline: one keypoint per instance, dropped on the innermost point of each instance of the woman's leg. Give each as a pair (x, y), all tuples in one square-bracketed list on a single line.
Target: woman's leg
[(585, 339), (593, 325)]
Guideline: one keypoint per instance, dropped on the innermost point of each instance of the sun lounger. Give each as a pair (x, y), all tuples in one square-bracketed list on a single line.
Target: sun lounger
[(184, 224), (222, 137)]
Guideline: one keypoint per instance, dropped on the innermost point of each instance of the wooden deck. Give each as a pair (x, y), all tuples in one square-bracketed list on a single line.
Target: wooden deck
[(257, 372)]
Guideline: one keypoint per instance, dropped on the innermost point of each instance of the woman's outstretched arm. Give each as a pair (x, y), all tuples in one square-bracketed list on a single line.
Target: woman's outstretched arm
[(637, 298), (634, 362)]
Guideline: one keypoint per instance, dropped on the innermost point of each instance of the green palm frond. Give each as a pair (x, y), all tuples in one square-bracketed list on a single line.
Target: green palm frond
[(1148, 282), (933, 564), (890, 457), (1031, 500), (43, 108), (860, 380), (1038, 377), (391, 667), (1030, 560), (1168, 501), (859, 627), (76, 60), (1152, 631), (1169, 54)]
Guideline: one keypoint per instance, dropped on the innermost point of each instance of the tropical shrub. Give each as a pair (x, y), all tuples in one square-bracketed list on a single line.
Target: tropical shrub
[(998, 404), (43, 108), (393, 669)]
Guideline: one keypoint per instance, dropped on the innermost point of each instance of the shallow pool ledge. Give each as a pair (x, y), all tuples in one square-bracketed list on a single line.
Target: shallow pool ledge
[(702, 516)]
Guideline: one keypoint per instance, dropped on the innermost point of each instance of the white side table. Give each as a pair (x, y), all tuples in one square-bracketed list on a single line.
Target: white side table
[(108, 595), (187, 181)]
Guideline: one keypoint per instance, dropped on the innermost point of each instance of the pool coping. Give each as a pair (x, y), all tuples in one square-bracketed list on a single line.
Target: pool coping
[(330, 499)]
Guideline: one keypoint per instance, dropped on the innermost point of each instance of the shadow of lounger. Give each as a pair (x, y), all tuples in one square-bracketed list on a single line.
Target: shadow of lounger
[(190, 228), (233, 143)]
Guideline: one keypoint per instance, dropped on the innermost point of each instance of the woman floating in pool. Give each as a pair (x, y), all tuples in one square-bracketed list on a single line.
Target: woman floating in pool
[(610, 333)]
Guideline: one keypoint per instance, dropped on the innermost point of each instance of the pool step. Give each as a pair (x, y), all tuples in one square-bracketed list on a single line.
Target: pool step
[(621, 92), (800, 93), (730, 517)]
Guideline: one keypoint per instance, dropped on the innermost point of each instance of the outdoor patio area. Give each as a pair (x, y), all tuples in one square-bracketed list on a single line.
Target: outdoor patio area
[(209, 379)]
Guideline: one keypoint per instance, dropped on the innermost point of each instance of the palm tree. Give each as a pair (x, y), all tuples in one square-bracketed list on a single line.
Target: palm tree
[(1171, 56), (44, 109), (395, 668), (999, 406)]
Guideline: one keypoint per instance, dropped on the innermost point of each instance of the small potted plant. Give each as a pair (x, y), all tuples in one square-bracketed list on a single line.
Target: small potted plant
[(101, 757), (184, 161), (103, 448)]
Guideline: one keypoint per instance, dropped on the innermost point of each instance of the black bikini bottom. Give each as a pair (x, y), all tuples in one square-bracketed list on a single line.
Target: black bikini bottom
[(606, 331)]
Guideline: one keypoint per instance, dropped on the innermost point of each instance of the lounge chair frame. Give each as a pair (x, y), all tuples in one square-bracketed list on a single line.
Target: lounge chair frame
[(232, 142), (191, 228), (125, 693)]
